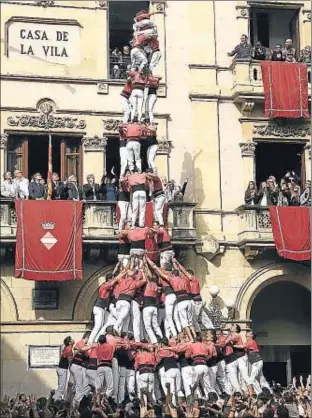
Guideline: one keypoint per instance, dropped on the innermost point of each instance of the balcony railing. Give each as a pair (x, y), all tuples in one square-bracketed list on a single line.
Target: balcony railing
[(100, 221), (247, 77), (118, 66), (255, 227)]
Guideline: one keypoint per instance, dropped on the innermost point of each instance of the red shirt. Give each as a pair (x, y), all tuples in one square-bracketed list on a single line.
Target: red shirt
[(150, 131), (105, 289), (154, 44), (181, 286), (136, 234), (138, 80), (195, 288), (105, 352), (152, 82), (126, 92), (68, 352), (151, 290), (157, 184), (212, 352), (198, 352), (251, 345), (163, 239), (137, 179), (131, 130), (164, 353), (142, 14), (143, 359), (128, 286)]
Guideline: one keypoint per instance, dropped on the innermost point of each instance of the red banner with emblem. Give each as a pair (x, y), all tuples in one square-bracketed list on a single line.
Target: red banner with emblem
[(291, 232), (48, 240)]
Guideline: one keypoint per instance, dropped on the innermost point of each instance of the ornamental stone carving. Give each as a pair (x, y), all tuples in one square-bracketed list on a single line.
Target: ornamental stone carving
[(46, 106), (102, 88), (46, 122), (281, 131), (4, 140), (160, 7), (103, 4), (44, 3), (308, 147), (248, 148), (112, 124), (94, 143), (164, 147), (247, 107), (242, 12)]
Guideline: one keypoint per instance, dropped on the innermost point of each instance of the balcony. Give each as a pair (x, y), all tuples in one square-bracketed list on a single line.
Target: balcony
[(100, 223), (255, 229), (247, 81)]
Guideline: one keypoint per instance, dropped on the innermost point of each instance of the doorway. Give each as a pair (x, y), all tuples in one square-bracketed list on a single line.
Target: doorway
[(277, 158), (38, 155)]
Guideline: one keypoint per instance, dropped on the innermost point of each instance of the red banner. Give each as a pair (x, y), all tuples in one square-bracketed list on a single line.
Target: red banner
[(291, 232), (285, 89), (151, 246), (48, 240)]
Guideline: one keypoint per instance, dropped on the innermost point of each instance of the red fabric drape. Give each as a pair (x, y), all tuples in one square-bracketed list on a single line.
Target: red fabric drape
[(285, 89), (291, 232), (151, 246), (48, 240)]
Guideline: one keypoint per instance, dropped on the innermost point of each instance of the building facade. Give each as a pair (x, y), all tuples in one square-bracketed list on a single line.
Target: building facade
[(211, 125)]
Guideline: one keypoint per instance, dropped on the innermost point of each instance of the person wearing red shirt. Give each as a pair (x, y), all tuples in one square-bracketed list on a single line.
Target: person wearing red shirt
[(257, 378), (137, 95), (164, 244), (237, 362), (137, 237), (155, 56), (212, 359), (123, 151), (197, 303), (150, 96), (152, 147), (132, 134), (124, 99), (159, 198), (101, 306), (125, 291), (124, 205), (62, 369), (144, 364), (186, 368), (105, 354), (150, 301)]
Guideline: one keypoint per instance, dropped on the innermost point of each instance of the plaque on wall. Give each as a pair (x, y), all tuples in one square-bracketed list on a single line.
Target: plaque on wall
[(43, 356), (45, 299)]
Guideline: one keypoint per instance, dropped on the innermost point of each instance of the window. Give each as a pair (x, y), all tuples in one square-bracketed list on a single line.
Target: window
[(121, 15), (15, 155), (72, 158), (277, 159), (273, 26)]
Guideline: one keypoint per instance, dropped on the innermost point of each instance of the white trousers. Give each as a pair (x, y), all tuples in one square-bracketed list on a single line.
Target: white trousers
[(123, 153), (200, 314), (62, 378), (166, 257), (136, 100), (99, 315), (173, 377), (236, 368), (146, 381), (151, 155), (185, 313), (126, 382), (139, 207), (257, 379), (159, 203), (125, 213), (136, 321), (154, 61), (201, 375), (150, 105), (138, 58), (111, 320), (105, 380), (222, 379), (187, 379), (126, 108), (151, 323), (124, 259), (134, 155), (169, 309), (122, 312), (115, 371), (79, 376), (212, 371)]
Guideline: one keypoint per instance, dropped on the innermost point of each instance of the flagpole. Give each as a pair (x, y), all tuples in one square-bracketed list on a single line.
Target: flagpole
[(50, 167)]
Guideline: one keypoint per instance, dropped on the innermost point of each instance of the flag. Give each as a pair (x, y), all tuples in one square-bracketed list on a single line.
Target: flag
[(50, 169), (48, 240)]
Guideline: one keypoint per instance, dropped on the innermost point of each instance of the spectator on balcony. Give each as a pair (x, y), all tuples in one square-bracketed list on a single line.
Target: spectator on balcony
[(169, 191), (305, 198), (264, 195), (289, 50), (259, 52), (116, 72), (242, 51), (59, 191), (22, 185), (91, 190), (74, 191), (36, 188), (305, 55), (8, 187), (251, 194), (295, 196), (180, 191), (273, 189), (283, 194), (108, 189), (277, 54), (289, 58)]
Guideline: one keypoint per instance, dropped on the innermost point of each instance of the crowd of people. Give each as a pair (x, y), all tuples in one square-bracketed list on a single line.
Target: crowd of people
[(287, 193), (120, 62), (245, 51)]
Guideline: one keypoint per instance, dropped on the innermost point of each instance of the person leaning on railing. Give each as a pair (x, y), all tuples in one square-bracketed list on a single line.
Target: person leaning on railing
[(8, 186)]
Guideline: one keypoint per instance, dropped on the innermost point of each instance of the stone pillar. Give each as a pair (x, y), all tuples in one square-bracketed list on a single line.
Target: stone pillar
[(307, 156), (162, 158), (159, 20), (3, 153), (94, 161), (248, 154), (242, 16)]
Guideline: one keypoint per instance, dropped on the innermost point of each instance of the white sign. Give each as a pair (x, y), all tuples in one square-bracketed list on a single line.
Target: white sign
[(57, 43), (44, 356)]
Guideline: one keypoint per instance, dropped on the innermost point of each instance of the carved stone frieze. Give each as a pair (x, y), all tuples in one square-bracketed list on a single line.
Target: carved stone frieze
[(210, 247), (308, 148), (3, 140), (103, 4), (46, 122), (248, 149), (46, 106), (279, 131), (44, 3), (112, 124), (164, 147), (102, 88), (246, 107), (242, 12), (94, 143)]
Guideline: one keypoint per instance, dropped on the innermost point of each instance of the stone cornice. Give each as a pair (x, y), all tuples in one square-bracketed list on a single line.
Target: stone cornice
[(63, 6)]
